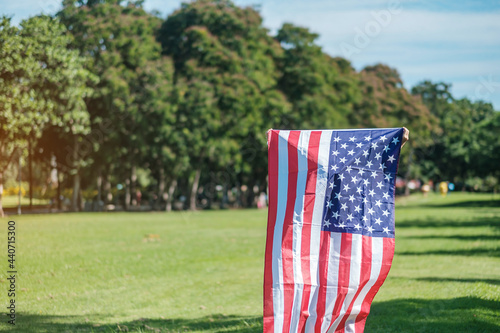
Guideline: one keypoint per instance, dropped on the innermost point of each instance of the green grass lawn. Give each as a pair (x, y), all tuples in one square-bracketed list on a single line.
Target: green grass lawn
[(96, 272)]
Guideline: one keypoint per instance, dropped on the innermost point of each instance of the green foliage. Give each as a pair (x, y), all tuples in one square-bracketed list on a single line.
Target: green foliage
[(226, 82), (459, 153), (189, 99), (135, 90), (386, 103), (43, 84), (321, 89), (485, 157)]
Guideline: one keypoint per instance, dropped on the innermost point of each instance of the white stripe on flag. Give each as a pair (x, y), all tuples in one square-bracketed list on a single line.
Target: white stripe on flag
[(333, 278), (376, 266), (278, 296), (317, 220), (298, 216), (354, 276)]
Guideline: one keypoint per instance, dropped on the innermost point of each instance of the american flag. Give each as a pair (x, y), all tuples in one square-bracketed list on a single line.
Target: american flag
[(330, 233)]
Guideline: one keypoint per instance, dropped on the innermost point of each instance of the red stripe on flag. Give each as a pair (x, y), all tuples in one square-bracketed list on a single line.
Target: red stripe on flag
[(324, 254), (387, 256), (309, 198), (287, 240), (366, 264), (273, 204), (344, 272)]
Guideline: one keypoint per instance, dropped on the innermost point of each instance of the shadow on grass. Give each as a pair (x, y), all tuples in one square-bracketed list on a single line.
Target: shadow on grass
[(457, 237), (493, 222), (465, 314), (31, 323), (481, 252), (466, 204), (444, 279)]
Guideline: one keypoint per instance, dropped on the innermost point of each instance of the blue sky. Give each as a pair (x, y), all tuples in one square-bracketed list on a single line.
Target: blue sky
[(457, 42)]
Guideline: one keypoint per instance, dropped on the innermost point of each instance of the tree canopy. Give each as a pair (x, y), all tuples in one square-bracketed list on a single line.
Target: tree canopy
[(178, 107), (43, 83)]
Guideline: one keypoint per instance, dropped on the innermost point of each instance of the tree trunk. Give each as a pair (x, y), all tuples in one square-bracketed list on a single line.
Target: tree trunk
[(99, 189), (76, 178), (76, 190), (225, 198), (30, 165), (19, 191), (80, 199), (133, 185), (239, 196), (194, 189), (211, 192), (127, 194), (58, 172), (252, 195), (1, 194), (161, 189), (108, 196), (170, 198)]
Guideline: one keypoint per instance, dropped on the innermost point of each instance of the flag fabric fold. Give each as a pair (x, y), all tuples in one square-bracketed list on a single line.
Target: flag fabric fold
[(330, 232)]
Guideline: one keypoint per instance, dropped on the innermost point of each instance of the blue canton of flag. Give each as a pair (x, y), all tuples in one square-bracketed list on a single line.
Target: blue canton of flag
[(362, 170)]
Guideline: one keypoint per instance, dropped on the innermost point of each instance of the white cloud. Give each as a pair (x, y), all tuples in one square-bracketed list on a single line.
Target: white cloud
[(456, 47), (445, 41)]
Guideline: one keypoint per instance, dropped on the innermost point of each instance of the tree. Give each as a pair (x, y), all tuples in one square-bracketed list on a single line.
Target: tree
[(226, 81), (164, 151), (42, 83), (451, 155), (120, 39), (485, 158), (386, 103), (321, 89)]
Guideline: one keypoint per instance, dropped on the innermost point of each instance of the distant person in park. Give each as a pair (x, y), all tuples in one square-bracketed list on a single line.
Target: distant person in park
[(262, 201), (443, 188), (425, 189)]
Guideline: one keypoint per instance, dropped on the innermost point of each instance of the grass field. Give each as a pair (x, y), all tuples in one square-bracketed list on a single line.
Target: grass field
[(98, 272)]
